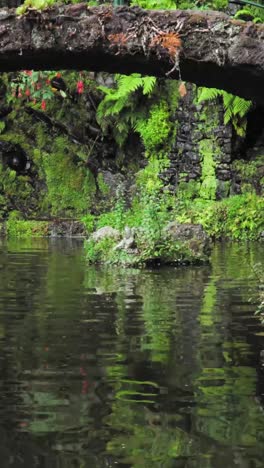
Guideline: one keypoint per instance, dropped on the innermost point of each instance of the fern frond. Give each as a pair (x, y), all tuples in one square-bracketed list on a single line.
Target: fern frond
[(235, 107), (228, 102), (117, 106), (209, 94), (105, 89), (149, 83), (128, 84), (120, 103), (241, 106)]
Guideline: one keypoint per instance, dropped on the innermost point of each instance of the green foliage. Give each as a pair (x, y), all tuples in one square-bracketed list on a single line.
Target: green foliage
[(115, 218), (239, 217), (149, 215), (208, 178), (251, 13), (103, 187), (250, 173), (2, 126), (244, 12), (148, 179), (121, 103), (235, 107), (36, 4), (89, 222), (155, 130), (44, 4), (181, 4), (70, 187), (20, 229), (155, 4), (147, 4), (97, 252), (16, 191)]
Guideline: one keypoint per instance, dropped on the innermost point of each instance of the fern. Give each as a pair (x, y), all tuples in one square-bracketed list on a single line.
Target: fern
[(121, 103), (209, 94), (116, 99), (235, 107)]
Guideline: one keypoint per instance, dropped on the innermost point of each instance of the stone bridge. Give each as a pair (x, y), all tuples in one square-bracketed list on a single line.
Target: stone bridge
[(207, 48)]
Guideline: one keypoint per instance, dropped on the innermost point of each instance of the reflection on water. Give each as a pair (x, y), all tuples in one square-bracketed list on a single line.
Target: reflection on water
[(104, 367)]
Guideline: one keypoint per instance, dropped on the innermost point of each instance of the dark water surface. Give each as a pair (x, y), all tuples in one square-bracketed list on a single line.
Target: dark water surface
[(106, 367)]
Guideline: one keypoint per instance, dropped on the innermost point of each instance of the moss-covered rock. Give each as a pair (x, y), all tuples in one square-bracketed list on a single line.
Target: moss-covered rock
[(177, 244)]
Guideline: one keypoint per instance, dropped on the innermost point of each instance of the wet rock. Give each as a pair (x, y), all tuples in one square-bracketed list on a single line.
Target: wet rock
[(223, 174), (113, 182), (192, 236), (106, 232), (128, 243), (66, 228)]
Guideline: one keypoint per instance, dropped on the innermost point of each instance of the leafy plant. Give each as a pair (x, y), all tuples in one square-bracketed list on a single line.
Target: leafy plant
[(155, 4), (155, 130), (122, 102), (20, 228), (37, 4), (208, 178), (65, 180), (239, 217), (180, 4), (235, 107)]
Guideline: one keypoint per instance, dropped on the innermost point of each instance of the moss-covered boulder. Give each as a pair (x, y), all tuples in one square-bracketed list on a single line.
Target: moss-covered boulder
[(192, 236), (176, 244)]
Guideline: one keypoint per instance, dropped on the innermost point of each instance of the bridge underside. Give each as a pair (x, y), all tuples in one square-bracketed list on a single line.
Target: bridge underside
[(206, 48)]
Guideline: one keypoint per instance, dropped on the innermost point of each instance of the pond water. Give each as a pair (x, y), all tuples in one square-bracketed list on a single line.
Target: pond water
[(106, 367)]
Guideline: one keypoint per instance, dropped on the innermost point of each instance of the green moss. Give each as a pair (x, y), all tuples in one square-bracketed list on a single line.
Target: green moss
[(239, 217), (103, 187), (21, 228), (149, 215), (148, 180), (155, 130), (16, 191), (188, 190), (70, 187), (150, 251), (89, 222), (223, 188), (208, 178), (250, 173)]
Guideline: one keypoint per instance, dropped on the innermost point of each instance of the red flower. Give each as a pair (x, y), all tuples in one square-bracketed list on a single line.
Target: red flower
[(80, 87), (28, 72), (27, 92), (48, 82), (19, 94), (85, 385), (43, 105), (23, 424), (58, 75)]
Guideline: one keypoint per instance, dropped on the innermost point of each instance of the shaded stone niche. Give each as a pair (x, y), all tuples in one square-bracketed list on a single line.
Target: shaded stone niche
[(201, 126)]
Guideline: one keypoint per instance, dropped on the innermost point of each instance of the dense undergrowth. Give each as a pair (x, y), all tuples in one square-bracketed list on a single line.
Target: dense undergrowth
[(239, 217)]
